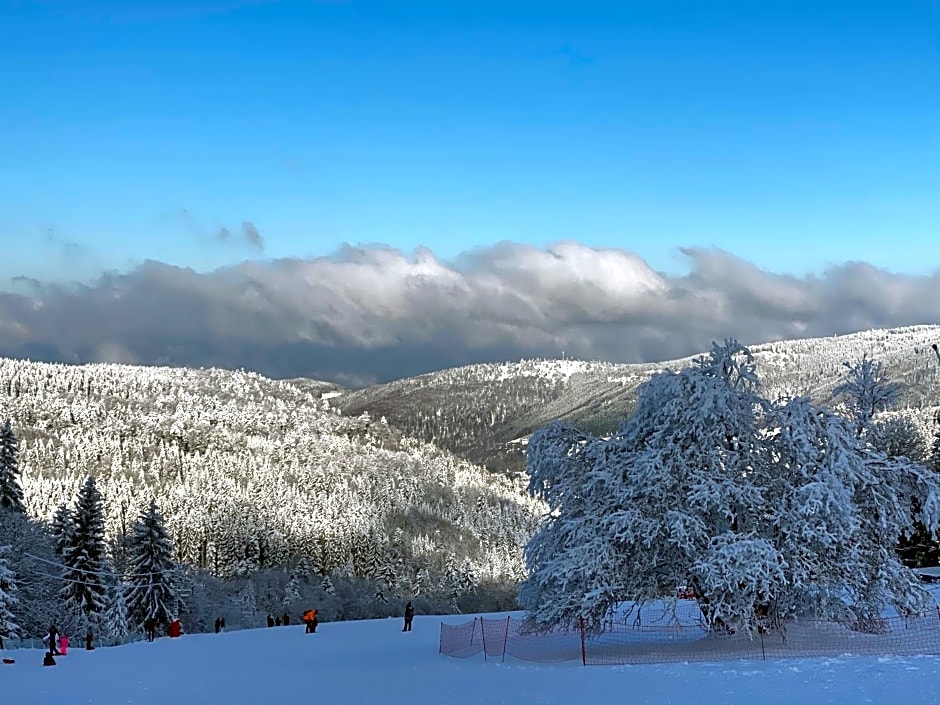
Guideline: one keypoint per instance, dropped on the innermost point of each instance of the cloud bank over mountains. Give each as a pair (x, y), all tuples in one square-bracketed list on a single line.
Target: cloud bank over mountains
[(370, 314)]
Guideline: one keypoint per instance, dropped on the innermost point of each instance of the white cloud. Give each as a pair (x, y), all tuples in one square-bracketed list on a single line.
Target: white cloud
[(377, 313)]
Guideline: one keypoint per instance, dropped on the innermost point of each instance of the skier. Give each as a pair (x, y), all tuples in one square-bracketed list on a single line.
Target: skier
[(88, 639), (270, 621), (285, 620), (64, 644), (409, 615), (218, 624), (53, 638), (175, 629)]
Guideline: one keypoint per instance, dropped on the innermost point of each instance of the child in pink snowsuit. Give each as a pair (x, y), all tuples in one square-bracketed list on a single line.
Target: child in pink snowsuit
[(63, 644)]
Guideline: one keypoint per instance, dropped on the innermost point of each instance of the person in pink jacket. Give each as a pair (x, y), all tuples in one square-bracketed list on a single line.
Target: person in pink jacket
[(63, 644)]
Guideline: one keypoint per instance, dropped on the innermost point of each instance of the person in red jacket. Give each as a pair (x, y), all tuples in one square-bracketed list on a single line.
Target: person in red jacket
[(175, 629)]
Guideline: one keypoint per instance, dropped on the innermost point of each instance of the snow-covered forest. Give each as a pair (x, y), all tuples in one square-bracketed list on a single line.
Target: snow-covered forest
[(272, 501), (481, 412)]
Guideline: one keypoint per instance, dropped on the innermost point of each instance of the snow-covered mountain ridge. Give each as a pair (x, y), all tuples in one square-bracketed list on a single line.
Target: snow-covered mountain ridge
[(481, 411)]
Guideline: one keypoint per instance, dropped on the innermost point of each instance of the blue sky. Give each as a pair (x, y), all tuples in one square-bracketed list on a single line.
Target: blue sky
[(793, 134)]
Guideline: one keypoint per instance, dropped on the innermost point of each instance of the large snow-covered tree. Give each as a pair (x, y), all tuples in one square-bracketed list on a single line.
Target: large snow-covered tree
[(763, 509), (11, 494), (152, 570), (87, 571)]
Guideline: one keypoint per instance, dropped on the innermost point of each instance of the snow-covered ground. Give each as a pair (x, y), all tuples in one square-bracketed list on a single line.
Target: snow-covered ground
[(373, 662)]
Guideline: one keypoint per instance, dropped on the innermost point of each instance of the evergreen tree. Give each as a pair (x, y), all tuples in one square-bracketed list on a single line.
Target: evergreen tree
[(291, 592), (451, 574), (249, 604), (8, 599), (421, 583), (327, 585), (152, 580), (11, 494), (867, 390), (373, 562), (468, 577), (303, 569), (115, 616), (63, 529), (389, 576), (85, 592), (899, 436)]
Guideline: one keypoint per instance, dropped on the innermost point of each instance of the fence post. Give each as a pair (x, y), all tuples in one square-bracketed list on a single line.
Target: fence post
[(583, 651), (440, 648), (760, 630), (506, 637), (483, 632)]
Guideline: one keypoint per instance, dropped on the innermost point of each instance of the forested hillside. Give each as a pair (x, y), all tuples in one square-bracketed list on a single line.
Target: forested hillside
[(254, 474), (481, 412)]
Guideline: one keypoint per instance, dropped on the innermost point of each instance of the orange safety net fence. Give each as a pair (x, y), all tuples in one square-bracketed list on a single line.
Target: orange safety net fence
[(674, 636)]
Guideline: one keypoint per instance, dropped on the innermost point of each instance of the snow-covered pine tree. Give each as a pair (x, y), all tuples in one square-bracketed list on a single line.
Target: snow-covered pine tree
[(248, 600), (8, 600), (374, 558), (11, 494), (327, 585), (421, 584), (450, 586), (152, 590), (451, 573), (62, 529), (468, 577), (115, 624), (86, 573), (867, 390), (389, 576), (897, 435), (303, 569), (291, 592), (764, 509)]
